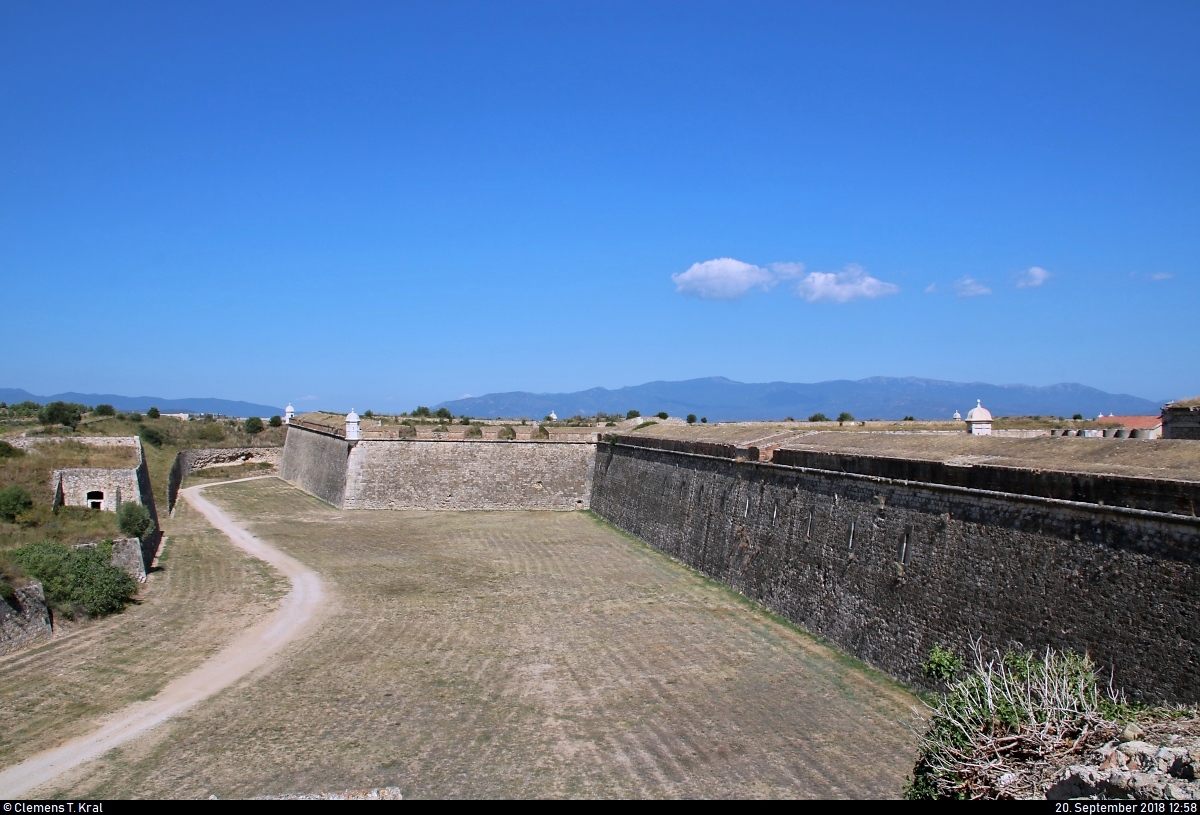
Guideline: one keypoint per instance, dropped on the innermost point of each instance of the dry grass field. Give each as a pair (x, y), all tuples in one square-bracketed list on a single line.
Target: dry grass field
[(203, 593), (518, 654)]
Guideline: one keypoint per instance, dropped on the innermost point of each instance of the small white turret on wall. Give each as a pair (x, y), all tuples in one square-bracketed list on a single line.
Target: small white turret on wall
[(353, 432), (979, 420), (288, 413)]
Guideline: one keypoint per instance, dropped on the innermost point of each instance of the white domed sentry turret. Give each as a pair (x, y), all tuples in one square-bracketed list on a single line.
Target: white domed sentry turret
[(957, 416), (979, 420), (353, 433), (553, 416), (288, 413)]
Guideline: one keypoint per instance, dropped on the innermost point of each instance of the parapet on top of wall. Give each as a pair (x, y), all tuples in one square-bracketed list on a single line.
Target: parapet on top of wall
[(1174, 496)]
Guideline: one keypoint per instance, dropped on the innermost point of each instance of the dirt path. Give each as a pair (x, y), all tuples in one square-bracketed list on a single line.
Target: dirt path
[(251, 652)]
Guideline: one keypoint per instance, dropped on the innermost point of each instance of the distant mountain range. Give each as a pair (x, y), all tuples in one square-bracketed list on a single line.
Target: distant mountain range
[(879, 397), (226, 407)]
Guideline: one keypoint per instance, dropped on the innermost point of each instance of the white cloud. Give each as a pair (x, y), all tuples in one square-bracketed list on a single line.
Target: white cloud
[(970, 287), (1032, 277), (309, 398), (851, 283), (931, 288), (787, 271), (723, 279), (1161, 276)]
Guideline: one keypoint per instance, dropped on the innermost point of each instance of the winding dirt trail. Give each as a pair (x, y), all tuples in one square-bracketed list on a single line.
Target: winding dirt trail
[(249, 653)]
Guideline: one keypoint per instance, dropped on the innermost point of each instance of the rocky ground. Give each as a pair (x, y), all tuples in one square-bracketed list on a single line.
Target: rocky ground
[(1159, 762)]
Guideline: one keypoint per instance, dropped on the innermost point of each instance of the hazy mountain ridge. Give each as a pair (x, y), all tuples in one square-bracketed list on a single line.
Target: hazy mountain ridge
[(227, 407), (878, 397)]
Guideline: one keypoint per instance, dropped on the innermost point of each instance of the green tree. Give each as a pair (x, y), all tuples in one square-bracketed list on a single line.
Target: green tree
[(443, 413), (662, 414), (275, 421), (691, 418), (66, 414), (1077, 417), (105, 410), (253, 425), (152, 413), (14, 499), (703, 420), (633, 414), (818, 417), (422, 411), (845, 416), (369, 414), (909, 419), (134, 519)]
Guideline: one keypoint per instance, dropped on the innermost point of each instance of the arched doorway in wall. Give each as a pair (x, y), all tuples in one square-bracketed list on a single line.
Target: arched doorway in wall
[(94, 499)]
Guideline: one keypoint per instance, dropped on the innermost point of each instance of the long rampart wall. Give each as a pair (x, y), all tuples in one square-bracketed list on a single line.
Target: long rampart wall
[(1156, 495), (188, 461), (316, 463), (468, 474), (888, 568)]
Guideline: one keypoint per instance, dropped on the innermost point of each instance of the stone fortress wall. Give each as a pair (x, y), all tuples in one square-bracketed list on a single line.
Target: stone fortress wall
[(188, 461), (424, 473), (469, 474), (887, 567)]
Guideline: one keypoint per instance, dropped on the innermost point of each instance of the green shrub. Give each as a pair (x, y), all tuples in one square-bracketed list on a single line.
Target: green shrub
[(645, 424), (474, 432), (422, 411), (1077, 417), (845, 416), (135, 417), (67, 414), (942, 665), (134, 519), (369, 414), (662, 414), (14, 499), (465, 420), (691, 418), (443, 413), (253, 425), (818, 417), (633, 414), (78, 580), (275, 421), (211, 431), (507, 432), (105, 410), (703, 420), (909, 419), (153, 436), (8, 451), (152, 413)]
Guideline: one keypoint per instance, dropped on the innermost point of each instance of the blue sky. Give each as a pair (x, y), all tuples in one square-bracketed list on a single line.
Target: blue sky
[(376, 205)]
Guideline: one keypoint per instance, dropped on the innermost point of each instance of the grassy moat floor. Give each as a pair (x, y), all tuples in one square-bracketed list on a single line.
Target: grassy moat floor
[(467, 654)]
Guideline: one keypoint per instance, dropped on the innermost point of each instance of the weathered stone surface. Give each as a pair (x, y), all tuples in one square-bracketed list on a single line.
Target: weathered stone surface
[(888, 569), (316, 463), (25, 620), (127, 555), (478, 474)]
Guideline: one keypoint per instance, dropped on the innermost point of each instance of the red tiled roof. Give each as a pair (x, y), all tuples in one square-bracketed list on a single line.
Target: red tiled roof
[(1133, 422)]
